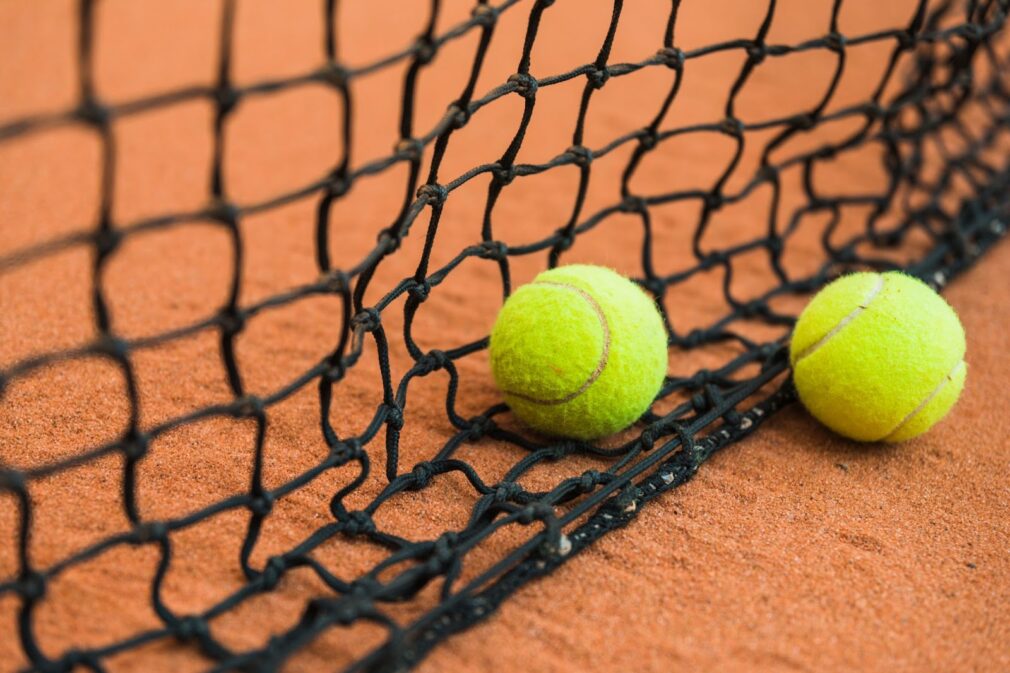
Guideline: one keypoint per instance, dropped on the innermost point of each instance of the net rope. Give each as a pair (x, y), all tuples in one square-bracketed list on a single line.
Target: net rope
[(946, 74)]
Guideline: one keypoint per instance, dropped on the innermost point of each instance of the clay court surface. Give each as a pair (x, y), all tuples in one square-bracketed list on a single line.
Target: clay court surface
[(792, 550)]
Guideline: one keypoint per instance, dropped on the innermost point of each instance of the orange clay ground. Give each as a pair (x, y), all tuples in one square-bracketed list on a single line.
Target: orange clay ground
[(793, 550)]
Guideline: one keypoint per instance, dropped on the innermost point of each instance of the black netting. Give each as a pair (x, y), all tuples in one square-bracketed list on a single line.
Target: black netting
[(939, 114)]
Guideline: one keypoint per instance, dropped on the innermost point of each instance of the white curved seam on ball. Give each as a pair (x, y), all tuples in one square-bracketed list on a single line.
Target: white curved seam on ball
[(856, 312), (929, 398), (604, 356)]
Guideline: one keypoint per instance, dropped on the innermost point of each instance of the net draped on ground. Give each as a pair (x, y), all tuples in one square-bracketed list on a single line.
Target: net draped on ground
[(944, 78)]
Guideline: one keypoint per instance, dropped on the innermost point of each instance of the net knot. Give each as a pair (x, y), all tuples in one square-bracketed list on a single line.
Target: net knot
[(582, 155), (262, 504), (230, 321), (873, 111), (804, 122), (694, 338), (700, 403), (458, 115), (335, 281), (598, 77), (419, 290), (655, 286), (564, 239), (768, 173), (732, 126), (588, 481), (525, 85), (496, 250), (648, 139), (358, 522), (344, 611), (701, 378), (845, 256), (338, 184), (484, 15), (775, 245), (648, 439), (477, 427), (333, 74), (422, 475), (633, 204), (757, 52), (433, 193), (346, 450), (503, 175), (113, 347), (106, 242), (507, 490), (150, 531), (445, 547), (135, 445), (367, 319), (11, 480), (334, 372), (972, 33), (713, 259), (424, 50), (751, 309), (93, 113), (272, 572), (388, 241), (671, 57), (835, 41), (557, 451), (32, 586), (226, 98), (249, 406), (433, 361), (409, 149), (190, 627), (363, 587), (73, 660), (347, 611), (394, 417), (223, 212)]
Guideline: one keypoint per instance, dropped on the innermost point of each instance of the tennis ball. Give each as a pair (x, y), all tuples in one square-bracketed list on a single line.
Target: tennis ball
[(580, 352), (878, 357)]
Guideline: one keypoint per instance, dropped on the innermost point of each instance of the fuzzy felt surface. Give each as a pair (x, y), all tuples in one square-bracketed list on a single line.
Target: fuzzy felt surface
[(878, 357), (579, 352)]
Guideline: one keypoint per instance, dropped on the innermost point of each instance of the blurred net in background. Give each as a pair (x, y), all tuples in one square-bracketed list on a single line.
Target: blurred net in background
[(247, 419)]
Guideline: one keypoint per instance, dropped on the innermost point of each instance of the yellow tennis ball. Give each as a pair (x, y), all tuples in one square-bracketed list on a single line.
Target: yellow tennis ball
[(878, 357), (579, 352)]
